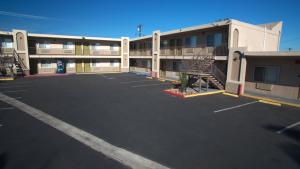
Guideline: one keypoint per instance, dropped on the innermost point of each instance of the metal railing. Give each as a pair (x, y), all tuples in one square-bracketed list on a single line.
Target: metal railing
[(141, 52), (105, 52), (55, 51), (184, 51)]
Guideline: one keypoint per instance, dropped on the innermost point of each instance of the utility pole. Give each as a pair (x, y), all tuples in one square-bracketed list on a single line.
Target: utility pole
[(139, 30)]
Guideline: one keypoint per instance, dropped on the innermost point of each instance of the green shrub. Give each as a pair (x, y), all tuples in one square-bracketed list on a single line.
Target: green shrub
[(184, 81)]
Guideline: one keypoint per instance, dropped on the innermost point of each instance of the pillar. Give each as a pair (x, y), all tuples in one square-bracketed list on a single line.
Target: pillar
[(21, 47), (155, 54), (125, 54)]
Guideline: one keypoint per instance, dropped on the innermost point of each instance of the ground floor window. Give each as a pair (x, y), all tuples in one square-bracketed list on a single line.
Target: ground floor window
[(114, 63), (175, 66), (70, 63), (94, 63), (266, 74), (46, 64)]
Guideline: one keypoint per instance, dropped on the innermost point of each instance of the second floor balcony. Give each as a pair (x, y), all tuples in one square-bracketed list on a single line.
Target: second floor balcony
[(190, 51), (141, 52), (55, 51), (105, 52)]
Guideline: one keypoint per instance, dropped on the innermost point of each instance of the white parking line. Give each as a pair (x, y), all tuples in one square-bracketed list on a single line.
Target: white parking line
[(146, 85), (136, 81), (288, 127), (119, 154), (13, 91), (12, 86), (234, 107), (6, 108)]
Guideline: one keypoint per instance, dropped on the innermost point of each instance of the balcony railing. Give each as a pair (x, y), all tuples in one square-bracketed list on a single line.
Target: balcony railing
[(213, 51), (141, 52), (105, 52), (7, 50), (55, 51)]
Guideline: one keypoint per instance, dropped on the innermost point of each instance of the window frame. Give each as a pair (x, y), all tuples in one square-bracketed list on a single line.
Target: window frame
[(278, 71), (49, 64)]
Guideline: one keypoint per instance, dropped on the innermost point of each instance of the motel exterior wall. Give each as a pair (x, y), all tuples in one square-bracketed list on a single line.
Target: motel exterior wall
[(288, 83)]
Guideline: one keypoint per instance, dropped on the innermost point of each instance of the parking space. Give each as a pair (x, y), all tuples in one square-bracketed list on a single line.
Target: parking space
[(132, 112)]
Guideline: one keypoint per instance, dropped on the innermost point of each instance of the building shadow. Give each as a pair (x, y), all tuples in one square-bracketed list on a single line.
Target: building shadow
[(292, 149), (3, 160)]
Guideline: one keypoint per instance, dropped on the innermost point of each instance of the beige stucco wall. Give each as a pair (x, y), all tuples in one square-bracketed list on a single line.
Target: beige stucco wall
[(254, 37), (289, 76)]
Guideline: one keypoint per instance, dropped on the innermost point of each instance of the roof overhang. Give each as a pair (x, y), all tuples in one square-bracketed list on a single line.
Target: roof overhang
[(71, 37), (273, 54)]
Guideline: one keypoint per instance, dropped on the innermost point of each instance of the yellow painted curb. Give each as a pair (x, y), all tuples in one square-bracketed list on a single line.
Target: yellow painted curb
[(229, 94), (7, 79), (268, 102), (271, 100), (203, 94)]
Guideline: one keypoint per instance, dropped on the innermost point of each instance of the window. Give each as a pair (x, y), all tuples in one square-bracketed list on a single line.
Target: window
[(46, 64), (175, 66), (94, 63), (218, 39), (71, 64), (96, 46), (114, 47), (7, 43), (191, 42), (164, 44), (209, 40), (266, 74), (214, 40), (114, 63), (68, 45), (44, 45)]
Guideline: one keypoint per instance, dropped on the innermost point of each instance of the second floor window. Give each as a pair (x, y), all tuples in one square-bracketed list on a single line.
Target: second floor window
[(190, 42), (214, 40), (96, 46), (7, 43), (164, 44), (44, 45), (114, 46), (68, 45)]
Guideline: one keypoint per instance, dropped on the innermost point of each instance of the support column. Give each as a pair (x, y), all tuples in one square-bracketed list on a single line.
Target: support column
[(125, 54), (21, 47), (236, 72), (155, 54)]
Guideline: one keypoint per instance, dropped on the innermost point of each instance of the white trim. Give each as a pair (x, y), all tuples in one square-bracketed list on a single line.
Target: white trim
[(71, 37), (73, 56)]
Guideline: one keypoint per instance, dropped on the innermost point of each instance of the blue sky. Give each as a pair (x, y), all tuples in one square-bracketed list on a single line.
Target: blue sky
[(116, 18)]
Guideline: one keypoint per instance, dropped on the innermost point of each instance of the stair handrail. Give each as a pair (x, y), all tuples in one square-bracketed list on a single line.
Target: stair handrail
[(218, 74), (19, 60)]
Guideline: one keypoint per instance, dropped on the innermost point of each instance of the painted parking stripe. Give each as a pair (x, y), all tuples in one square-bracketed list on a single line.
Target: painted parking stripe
[(13, 91), (146, 85), (135, 81), (12, 86), (288, 127), (6, 108), (119, 154), (234, 107)]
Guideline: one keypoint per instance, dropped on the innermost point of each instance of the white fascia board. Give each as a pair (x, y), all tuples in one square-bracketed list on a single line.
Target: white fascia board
[(71, 37), (74, 56), (5, 33)]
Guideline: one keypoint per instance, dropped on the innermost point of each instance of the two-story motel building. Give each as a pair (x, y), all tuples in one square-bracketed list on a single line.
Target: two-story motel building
[(246, 56)]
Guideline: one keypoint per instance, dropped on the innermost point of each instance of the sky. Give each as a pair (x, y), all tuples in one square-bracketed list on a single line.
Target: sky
[(117, 18)]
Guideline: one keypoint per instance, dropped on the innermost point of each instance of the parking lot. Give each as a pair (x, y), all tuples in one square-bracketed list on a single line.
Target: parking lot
[(131, 112)]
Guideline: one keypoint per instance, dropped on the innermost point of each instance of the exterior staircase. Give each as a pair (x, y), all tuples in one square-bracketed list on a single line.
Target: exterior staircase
[(203, 68), (11, 65)]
